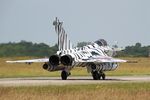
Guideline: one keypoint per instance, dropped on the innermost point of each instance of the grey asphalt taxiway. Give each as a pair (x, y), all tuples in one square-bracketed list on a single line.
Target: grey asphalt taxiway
[(74, 80)]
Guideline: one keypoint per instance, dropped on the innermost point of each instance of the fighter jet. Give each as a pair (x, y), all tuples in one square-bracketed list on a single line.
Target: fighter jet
[(96, 56)]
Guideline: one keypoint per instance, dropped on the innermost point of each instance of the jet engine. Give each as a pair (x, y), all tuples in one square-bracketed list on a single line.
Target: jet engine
[(54, 60), (66, 60)]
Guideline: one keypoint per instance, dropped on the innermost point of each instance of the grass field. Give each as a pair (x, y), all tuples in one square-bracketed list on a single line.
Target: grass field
[(103, 91), (140, 68), (35, 69), (109, 91)]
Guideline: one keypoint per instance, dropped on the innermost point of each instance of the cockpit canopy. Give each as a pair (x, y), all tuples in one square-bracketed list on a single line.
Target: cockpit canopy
[(101, 42)]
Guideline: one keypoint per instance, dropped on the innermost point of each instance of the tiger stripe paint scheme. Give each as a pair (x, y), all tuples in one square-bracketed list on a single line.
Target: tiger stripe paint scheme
[(96, 57)]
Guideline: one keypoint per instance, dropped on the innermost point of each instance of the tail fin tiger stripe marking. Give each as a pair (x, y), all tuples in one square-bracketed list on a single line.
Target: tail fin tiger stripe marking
[(63, 42)]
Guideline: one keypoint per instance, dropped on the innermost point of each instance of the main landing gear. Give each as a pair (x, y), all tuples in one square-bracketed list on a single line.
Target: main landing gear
[(98, 75), (64, 75)]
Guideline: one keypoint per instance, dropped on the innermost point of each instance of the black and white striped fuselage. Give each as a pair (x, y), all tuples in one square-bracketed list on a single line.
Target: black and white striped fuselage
[(88, 52), (89, 55)]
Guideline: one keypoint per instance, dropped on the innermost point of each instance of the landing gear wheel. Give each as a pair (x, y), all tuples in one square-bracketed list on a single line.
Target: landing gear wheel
[(64, 75), (103, 76), (95, 75)]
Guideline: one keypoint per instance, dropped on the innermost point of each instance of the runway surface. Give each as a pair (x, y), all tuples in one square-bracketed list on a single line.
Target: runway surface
[(41, 81)]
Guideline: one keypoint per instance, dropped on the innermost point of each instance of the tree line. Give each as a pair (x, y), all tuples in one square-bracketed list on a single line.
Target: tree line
[(136, 50), (25, 48)]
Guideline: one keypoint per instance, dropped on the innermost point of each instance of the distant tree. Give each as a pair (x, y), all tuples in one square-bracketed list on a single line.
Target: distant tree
[(53, 49), (25, 48), (138, 45), (136, 50)]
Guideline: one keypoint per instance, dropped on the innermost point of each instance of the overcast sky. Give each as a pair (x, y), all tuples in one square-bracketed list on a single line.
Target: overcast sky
[(124, 21)]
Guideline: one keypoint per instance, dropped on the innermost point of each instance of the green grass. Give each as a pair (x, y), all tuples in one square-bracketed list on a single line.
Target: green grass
[(109, 91), (35, 69)]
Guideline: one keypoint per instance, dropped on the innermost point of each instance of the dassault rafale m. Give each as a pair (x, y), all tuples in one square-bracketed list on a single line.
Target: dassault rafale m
[(96, 56)]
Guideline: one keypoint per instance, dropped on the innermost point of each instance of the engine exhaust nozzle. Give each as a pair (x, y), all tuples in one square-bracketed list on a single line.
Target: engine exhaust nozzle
[(54, 60), (66, 60)]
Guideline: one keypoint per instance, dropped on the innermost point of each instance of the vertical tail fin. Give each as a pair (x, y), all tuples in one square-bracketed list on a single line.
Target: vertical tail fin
[(63, 42)]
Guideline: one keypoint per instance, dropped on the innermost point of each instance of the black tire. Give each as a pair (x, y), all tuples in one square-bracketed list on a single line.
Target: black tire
[(95, 75), (103, 76), (64, 75), (100, 76)]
